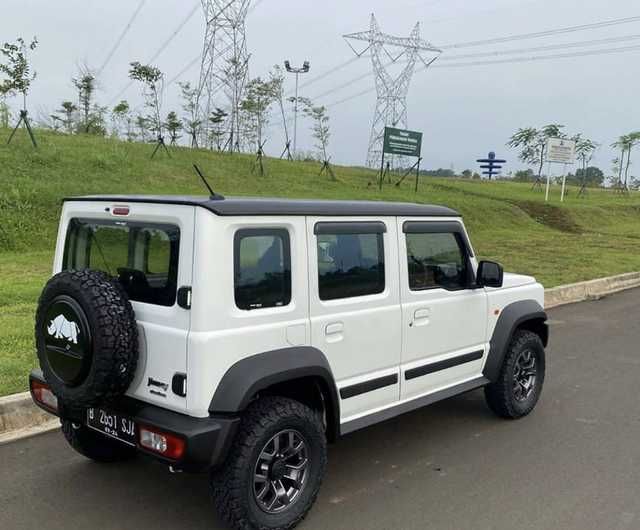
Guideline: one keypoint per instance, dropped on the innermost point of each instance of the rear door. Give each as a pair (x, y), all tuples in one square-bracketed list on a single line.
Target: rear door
[(355, 308), (149, 247)]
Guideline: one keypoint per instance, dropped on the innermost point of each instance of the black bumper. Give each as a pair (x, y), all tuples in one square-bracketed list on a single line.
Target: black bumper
[(207, 439)]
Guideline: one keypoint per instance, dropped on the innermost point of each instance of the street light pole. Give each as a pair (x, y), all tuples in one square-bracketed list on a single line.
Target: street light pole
[(297, 71)]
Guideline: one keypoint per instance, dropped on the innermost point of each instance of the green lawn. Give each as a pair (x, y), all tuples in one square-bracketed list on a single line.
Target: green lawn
[(582, 239)]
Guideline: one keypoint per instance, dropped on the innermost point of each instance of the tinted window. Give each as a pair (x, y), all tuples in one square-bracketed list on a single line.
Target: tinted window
[(436, 260), (350, 265), (143, 256), (262, 268)]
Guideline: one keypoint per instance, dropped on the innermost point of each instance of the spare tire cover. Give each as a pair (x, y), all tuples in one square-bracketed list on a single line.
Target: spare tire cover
[(86, 337)]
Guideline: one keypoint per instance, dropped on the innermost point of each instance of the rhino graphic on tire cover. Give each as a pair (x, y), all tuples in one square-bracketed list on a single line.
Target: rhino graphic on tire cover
[(61, 328)]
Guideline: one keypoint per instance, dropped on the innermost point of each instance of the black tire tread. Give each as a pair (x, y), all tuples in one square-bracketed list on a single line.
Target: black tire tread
[(226, 482), (115, 336), (498, 394)]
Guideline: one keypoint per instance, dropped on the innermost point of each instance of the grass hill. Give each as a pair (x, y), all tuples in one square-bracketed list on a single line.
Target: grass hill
[(582, 239)]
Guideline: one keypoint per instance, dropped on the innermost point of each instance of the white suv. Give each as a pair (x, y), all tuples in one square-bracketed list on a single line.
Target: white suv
[(238, 336)]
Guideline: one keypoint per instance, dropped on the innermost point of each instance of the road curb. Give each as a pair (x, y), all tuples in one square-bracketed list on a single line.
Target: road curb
[(590, 290), (21, 418)]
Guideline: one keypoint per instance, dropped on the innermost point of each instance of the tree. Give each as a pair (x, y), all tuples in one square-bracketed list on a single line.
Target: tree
[(85, 84), (216, 132), (174, 126), (320, 130), (5, 115), (259, 95), (276, 77), (121, 119), (467, 174), (532, 143), (625, 143), (524, 175), (585, 149), (590, 176), (18, 77), (190, 106), (67, 111), (152, 80)]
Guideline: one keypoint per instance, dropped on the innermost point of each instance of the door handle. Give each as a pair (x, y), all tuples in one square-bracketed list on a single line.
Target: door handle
[(334, 328), (422, 313)]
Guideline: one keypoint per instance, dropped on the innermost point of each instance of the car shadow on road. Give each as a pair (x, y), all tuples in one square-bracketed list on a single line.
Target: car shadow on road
[(144, 493)]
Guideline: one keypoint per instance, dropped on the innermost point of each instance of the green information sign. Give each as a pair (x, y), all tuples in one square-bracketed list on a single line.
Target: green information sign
[(401, 142)]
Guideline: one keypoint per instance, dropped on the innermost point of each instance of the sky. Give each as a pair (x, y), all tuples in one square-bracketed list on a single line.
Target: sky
[(463, 111)]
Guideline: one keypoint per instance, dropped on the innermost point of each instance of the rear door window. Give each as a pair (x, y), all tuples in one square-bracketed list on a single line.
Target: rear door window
[(143, 256)]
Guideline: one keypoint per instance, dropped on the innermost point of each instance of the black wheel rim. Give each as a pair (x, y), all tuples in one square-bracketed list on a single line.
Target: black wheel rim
[(67, 340), (525, 375), (281, 472)]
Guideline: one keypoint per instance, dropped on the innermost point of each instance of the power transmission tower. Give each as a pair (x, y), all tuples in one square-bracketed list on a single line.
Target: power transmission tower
[(225, 63), (391, 105)]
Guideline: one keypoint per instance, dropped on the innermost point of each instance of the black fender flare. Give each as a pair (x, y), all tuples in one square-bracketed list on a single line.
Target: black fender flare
[(249, 376), (511, 317)]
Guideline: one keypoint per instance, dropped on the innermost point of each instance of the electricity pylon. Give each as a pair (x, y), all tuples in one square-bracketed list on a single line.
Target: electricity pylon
[(391, 105), (225, 63)]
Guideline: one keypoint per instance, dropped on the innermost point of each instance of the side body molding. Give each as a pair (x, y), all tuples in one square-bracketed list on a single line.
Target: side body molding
[(525, 313), (251, 375)]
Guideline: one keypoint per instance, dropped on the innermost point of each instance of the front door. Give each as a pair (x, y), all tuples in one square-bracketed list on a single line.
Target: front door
[(355, 308), (443, 317)]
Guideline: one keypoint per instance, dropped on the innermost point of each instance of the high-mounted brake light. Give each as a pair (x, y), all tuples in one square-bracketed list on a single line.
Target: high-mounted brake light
[(43, 395), (162, 443), (120, 210)]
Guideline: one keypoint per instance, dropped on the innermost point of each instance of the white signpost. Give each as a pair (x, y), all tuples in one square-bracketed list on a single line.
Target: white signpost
[(560, 151)]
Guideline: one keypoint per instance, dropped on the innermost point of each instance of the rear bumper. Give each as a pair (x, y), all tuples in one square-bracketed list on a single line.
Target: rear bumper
[(207, 439)]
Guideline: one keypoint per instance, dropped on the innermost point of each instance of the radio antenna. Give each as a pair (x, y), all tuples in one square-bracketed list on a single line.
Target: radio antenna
[(212, 194)]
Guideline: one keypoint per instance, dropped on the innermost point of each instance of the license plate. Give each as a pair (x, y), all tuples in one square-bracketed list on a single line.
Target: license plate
[(112, 424)]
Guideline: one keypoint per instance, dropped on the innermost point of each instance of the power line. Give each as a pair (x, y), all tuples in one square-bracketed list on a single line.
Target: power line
[(121, 37), (503, 61), (546, 33), (566, 45), (163, 47), (175, 33)]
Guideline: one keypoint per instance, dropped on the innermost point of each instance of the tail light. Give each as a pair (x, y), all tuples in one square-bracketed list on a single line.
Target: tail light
[(43, 396), (160, 442)]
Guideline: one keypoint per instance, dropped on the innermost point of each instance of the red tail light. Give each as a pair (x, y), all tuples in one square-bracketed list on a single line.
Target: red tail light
[(120, 210), (160, 442), (43, 395)]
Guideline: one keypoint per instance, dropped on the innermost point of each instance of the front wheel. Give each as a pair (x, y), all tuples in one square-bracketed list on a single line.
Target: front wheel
[(272, 475), (516, 391), (95, 446)]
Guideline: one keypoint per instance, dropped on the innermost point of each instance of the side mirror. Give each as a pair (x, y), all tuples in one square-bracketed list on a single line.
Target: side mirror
[(490, 274)]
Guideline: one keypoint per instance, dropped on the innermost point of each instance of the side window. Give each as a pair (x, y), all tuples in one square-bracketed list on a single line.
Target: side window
[(350, 264), (436, 260), (262, 268)]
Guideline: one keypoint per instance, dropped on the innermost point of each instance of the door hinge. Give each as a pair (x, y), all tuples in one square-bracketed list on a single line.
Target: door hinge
[(184, 297)]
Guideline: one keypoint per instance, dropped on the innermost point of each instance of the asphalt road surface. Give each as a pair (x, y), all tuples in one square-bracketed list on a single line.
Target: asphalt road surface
[(573, 464)]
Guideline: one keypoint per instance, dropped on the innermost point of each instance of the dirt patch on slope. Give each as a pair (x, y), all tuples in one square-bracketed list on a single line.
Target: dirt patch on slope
[(551, 216)]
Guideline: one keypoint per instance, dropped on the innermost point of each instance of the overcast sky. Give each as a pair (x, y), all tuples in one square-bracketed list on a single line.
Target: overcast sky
[(464, 112)]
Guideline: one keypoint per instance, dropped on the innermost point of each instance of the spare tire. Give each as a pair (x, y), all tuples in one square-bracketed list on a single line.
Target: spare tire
[(86, 338)]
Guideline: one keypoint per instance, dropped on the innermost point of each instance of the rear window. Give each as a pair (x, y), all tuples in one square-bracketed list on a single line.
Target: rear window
[(143, 256)]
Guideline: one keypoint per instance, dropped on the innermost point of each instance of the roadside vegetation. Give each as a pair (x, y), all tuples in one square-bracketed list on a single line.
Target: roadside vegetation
[(586, 237)]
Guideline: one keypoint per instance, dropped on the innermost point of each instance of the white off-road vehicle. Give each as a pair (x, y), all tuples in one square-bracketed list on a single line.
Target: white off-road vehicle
[(238, 336)]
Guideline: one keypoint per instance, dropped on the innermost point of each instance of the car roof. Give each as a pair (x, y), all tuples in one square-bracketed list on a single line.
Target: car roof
[(271, 206)]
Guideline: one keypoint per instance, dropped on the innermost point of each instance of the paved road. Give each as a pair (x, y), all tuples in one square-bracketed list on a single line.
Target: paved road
[(573, 464)]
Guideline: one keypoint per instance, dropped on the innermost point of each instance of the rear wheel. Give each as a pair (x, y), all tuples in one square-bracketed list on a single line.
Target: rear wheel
[(94, 445), (516, 391), (273, 473)]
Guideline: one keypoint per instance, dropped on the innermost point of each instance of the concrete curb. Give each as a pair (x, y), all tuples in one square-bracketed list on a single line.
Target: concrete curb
[(590, 290), (20, 418)]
